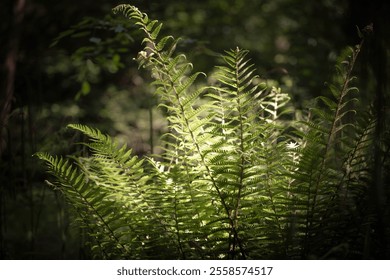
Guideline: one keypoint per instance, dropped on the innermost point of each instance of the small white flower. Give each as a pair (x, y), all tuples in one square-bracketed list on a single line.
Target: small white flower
[(292, 145)]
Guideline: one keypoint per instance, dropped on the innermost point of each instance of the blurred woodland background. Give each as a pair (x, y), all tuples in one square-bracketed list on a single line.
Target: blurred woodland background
[(72, 62)]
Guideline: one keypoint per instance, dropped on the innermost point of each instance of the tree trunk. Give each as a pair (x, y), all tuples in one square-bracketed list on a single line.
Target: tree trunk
[(10, 69)]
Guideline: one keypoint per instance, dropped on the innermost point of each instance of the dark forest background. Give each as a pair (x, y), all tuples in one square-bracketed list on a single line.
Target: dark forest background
[(72, 62)]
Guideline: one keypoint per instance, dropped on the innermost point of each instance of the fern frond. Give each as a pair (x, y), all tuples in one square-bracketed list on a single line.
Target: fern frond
[(328, 138), (96, 212)]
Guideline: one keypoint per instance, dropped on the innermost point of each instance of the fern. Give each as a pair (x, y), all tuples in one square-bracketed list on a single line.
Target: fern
[(232, 182), (105, 190), (331, 142)]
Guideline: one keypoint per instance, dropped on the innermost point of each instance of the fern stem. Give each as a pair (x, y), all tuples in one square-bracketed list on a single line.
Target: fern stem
[(179, 242), (241, 152), (151, 137)]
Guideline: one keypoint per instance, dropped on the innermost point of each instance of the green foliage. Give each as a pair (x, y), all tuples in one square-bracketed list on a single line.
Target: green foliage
[(238, 178), (104, 43)]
